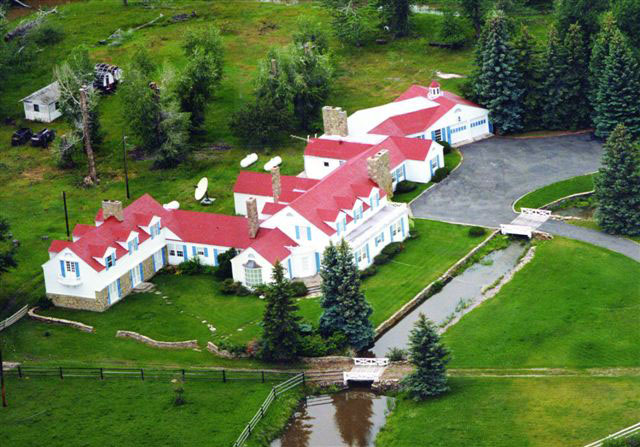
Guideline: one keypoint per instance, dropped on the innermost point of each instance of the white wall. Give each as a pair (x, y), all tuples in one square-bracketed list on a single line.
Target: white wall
[(238, 262), (47, 113), (286, 220), (319, 167), (461, 115), (89, 281), (206, 260), (240, 203)]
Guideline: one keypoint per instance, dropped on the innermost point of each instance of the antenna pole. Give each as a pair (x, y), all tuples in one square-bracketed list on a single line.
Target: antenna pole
[(66, 214), (126, 174), (4, 394)]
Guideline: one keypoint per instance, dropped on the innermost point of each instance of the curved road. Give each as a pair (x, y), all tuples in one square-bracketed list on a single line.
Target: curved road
[(498, 171)]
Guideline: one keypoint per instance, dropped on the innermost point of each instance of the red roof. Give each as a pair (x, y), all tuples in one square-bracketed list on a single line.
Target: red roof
[(57, 246), (81, 229), (434, 84), (258, 183), (272, 244), (271, 208), (343, 150)]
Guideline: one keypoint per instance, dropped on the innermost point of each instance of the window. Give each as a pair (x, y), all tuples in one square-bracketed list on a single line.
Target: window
[(360, 254), (133, 245), (70, 266), (397, 175), (55, 106), (201, 251), (438, 135), (252, 274), (379, 239), (110, 261), (326, 164), (36, 108), (357, 214), (179, 252), (396, 228), (172, 250), (154, 230)]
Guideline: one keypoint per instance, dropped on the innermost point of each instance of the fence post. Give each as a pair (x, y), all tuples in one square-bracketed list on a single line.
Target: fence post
[(61, 373), (142, 373), (303, 382), (183, 375), (262, 376), (224, 376), (19, 372), (101, 374), (275, 394)]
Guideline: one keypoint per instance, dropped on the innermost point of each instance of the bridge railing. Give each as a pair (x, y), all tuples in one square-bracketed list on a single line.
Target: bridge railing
[(535, 211), (363, 361)]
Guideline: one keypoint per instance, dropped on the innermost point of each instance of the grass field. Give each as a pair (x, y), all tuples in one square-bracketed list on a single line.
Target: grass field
[(81, 412), (194, 299), (555, 191), (516, 412), (574, 305)]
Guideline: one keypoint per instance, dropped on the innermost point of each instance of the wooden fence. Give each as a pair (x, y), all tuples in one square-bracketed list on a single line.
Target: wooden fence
[(13, 318), (277, 390), (624, 433)]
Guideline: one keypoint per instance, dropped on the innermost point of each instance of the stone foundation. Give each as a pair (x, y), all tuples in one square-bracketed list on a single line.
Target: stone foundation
[(100, 304)]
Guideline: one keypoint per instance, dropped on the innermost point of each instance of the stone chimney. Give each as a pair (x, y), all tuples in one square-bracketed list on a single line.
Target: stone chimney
[(252, 216), (335, 121), (276, 184), (112, 208), (379, 170)]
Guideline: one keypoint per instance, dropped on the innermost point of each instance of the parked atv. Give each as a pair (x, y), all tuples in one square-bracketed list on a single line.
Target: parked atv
[(21, 136), (43, 138)]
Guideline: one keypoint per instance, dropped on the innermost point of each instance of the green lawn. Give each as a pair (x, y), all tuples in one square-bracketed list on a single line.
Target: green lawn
[(85, 412), (574, 305), (555, 191), (516, 412)]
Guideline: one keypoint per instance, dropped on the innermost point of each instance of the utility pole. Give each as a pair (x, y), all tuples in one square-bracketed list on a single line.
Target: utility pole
[(124, 155), (93, 175), (66, 214), (4, 394)]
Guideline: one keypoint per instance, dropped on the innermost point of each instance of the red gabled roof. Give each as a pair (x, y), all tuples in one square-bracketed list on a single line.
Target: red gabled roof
[(210, 229), (322, 147), (271, 208), (80, 230), (410, 123), (402, 148), (272, 244), (57, 246), (259, 183)]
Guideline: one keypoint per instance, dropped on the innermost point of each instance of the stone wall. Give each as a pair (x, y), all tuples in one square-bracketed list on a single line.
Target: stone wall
[(74, 324), (379, 170), (335, 121), (75, 302), (188, 344), (215, 350), (147, 268)]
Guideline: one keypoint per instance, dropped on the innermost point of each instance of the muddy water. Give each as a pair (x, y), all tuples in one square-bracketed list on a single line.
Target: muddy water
[(347, 419), (467, 286)]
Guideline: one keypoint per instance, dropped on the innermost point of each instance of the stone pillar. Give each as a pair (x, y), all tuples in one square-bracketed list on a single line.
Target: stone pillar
[(335, 121), (112, 208), (276, 184), (379, 170), (252, 217)]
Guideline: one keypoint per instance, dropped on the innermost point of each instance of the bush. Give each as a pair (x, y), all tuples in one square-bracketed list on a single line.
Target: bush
[(393, 249), (405, 186), (314, 346), (223, 271), (397, 354), (437, 286), (477, 231), (440, 174), (381, 259), (369, 271), (192, 267), (229, 287), (298, 288), (48, 34), (233, 348), (631, 441), (44, 303), (446, 147), (178, 398)]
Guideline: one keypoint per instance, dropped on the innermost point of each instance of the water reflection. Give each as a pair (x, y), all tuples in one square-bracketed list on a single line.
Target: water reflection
[(346, 419)]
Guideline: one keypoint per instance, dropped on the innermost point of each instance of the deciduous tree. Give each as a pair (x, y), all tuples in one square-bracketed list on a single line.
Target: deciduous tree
[(617, 185), (353, 24), (395, 15), (475, 11), (311, 31)]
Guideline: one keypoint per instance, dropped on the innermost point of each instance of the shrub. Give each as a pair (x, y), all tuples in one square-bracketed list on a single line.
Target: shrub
[(229, 287), (48, 34), (396, 354), (191, 267), (314, 346), (298, 288), (381, 259), (477, 231), (455, 31), (369, 271), (224, 264), (44, 303), (437, 286), (446, 147), (233, 348), (631, 441), (405, 186), (440, 174), (393, 249), (178, 398), (260, 290)]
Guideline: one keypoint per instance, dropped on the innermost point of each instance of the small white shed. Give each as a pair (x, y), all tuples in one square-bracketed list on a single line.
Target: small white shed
[(43, 105)]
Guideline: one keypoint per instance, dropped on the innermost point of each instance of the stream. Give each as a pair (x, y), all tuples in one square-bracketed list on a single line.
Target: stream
[(349, 418)]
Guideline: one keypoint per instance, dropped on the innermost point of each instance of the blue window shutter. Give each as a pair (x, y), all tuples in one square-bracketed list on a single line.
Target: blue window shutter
[(433, 135), (404, 172), (131, 278), (309, 233), (184, 252), (206, 252), (402, 226), (391, 233), (289, 268), (164, 258), (193, 250), (215, 256), (62, 269), (317, 262), (136, 242), (153, 262), (77, 270), (375, 241), (119, 288), (297, 232), (382, 236), (108, 295), (106, 262), (449, 134), (490, 127), (141, 272), (368, 257)]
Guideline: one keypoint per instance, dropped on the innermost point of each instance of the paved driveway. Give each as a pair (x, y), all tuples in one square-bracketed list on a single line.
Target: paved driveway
[(497, 171)]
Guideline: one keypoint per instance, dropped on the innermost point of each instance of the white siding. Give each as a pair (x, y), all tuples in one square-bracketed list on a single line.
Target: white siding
[(320, 167)]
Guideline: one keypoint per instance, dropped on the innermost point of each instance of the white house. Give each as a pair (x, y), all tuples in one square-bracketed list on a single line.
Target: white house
[(345, 193), (43, 105)]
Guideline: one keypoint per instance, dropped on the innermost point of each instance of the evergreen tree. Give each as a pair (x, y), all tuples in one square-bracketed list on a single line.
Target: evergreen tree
[(430, 357), (555, 84), (617, 185), (281, 338), (395, 15), (599, 53), (7, 247), (576, 80), (353, 307), (497, 83), (353, 24), (584, 12), (313, 32), (528, 64), (618, 92), (627, 14), (331, 320)]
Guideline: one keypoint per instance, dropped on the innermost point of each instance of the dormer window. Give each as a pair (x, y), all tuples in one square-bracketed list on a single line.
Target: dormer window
[(110, 261), (133, 245), (154, 230)]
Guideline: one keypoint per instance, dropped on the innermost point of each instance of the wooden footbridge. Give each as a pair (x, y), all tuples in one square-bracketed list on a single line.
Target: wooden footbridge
[(366, 370), (527, 222)]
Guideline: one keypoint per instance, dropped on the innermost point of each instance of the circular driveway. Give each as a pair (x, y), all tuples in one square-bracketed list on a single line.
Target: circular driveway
[(497, 171)]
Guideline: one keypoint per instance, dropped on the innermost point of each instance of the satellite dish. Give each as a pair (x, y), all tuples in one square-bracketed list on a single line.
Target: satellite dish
[(201, 192)]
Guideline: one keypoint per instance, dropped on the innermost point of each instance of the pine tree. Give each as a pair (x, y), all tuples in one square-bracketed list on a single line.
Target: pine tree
[(554, 86), (617, 185), (430, 358), (497, 83), (528, 64), (577, 80), (618, 92), (599, 52), (353, 306), (281, 338), (331, 321)]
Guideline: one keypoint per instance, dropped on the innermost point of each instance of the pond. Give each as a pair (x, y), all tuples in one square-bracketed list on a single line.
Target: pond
[(468, 286), (349, 418)]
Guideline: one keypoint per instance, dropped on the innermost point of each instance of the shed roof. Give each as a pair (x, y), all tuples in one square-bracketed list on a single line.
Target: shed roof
[(46, 95)]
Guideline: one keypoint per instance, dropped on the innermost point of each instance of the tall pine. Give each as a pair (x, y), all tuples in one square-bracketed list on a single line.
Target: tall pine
[(352, 305), (555, 85), (617, 185), (599, 53), (281, 337), (528, 65), (331, 321), (498, 85), (577, 80), (618, 91), (430, 357)]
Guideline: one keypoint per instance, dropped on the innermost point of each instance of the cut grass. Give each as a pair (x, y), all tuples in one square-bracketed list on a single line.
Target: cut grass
[(516, 412), (80, 412), (573, 305), (550, 193)]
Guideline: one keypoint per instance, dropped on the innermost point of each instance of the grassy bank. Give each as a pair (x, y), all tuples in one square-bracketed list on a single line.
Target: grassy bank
[(574, 305), (555, 191), (516, 412)]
